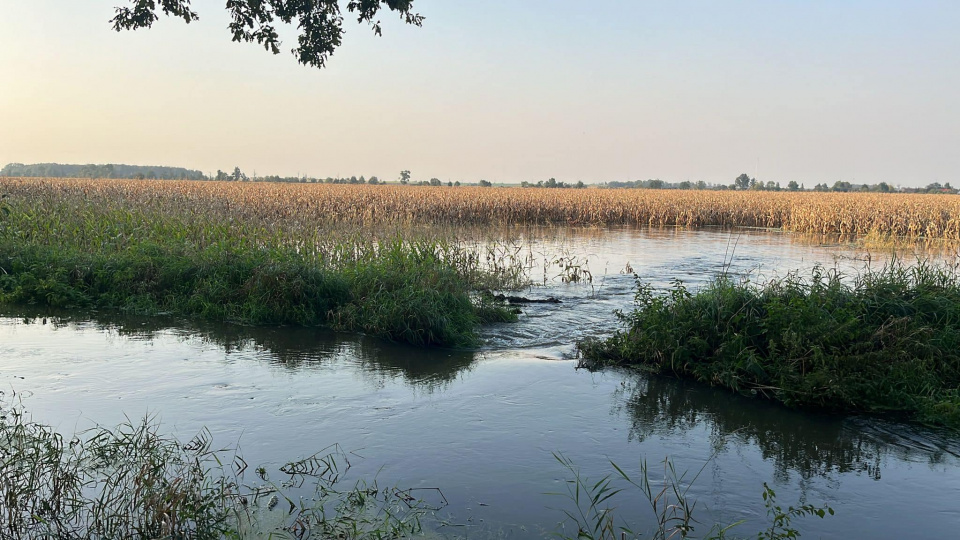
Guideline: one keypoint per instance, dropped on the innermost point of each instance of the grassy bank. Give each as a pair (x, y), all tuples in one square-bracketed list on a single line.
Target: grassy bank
[(403, 292), (885, 341), (67, 250)]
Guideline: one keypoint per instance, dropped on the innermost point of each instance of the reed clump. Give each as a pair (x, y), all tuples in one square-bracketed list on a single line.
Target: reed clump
[(884, 341), (133, 482)]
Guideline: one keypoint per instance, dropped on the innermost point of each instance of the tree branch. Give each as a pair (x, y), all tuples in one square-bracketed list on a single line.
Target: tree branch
[(319, 21)]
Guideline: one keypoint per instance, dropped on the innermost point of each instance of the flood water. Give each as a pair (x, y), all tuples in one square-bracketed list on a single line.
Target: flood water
[(483, 425)]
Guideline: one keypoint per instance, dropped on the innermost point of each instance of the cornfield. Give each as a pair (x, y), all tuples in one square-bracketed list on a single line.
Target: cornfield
[(274, 206)]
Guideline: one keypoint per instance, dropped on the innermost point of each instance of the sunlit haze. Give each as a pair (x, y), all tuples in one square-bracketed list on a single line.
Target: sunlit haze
[(815, 91)]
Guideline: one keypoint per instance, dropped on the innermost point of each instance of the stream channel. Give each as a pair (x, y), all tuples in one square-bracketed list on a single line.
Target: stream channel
[(483, 425)]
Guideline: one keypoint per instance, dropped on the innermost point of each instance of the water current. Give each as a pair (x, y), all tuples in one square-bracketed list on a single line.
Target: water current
[(483, 425)]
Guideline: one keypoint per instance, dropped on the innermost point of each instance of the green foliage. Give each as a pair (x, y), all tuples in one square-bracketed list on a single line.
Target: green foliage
[(780, 528), (87, 257), (122, 483), (889, 340), (398, 291), (595, 518), (132, 482), (592, 519), (320, 22)]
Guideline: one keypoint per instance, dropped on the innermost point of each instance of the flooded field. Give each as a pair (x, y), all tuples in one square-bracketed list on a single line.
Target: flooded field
[(483, 425)]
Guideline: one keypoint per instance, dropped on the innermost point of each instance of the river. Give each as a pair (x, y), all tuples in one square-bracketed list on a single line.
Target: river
[(483, 425)]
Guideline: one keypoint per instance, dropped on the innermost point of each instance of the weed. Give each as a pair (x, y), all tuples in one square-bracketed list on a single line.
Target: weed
[(595, 518), (132, 482)]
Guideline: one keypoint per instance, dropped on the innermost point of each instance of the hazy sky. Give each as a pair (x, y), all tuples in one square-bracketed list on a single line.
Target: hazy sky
[(504, 90)]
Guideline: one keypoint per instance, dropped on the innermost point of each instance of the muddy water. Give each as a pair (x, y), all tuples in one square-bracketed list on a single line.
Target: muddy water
[(482, 425)]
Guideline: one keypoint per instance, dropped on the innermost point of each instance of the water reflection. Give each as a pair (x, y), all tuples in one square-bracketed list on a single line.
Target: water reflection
[(289, 347), (795, 442)]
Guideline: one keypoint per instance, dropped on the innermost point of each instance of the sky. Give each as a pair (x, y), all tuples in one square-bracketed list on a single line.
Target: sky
[(863, 91)]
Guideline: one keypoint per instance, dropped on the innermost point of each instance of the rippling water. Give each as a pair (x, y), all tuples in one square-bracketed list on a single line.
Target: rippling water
[(482, 425)]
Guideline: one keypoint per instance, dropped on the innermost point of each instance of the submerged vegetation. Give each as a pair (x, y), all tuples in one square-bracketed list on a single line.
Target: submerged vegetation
[(884, 341), (143, 249)]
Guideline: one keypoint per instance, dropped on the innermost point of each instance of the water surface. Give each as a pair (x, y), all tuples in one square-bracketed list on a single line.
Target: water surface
[(483, 425)]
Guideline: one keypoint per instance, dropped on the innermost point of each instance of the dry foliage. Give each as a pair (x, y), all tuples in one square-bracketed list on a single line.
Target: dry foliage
[(309, 206)]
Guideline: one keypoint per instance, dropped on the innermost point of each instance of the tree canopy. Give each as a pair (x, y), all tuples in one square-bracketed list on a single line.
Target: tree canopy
[(320, 22)]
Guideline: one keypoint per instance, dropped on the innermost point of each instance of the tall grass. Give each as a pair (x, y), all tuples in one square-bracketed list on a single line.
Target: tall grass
[(886, 340), (72, 248), (283, 206), (132, 482)]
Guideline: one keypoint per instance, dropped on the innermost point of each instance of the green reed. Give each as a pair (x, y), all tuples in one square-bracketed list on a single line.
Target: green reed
[(884, 341), (594, 515), (132, 482)]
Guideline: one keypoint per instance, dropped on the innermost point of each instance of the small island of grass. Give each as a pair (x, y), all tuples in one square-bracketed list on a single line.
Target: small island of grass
[(885, 341)]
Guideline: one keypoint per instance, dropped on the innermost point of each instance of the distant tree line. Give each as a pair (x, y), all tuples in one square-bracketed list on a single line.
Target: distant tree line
[(110, 170), (660, 184), (745, 183), (552, 183), (373, 180), (883, 187), (741, 183)]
